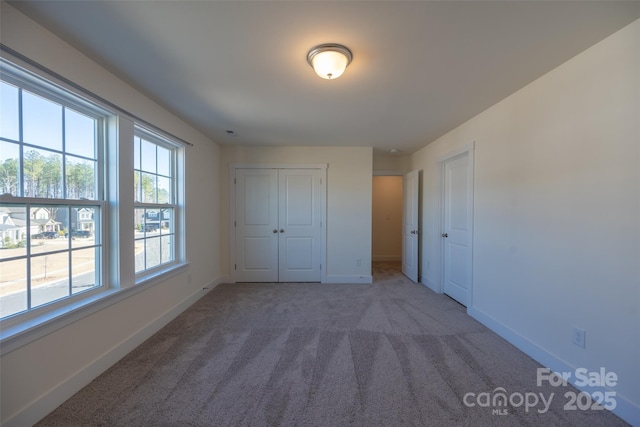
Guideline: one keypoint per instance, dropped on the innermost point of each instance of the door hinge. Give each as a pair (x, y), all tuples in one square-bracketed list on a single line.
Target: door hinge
[(235, 266), (320, 266), (234, 180), (235, 224)]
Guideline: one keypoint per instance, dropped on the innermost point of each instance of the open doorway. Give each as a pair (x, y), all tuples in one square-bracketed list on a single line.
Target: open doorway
[(386, 234)]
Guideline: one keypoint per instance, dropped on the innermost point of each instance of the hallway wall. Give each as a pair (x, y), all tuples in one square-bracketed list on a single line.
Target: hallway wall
[(387, 218)]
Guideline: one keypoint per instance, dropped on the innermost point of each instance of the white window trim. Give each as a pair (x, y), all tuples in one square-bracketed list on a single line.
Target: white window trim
[(119, 282), (15, 336), (178, 189)]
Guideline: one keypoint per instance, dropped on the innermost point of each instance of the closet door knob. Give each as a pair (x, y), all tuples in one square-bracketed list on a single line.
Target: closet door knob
[(281, 230), (275, 231)]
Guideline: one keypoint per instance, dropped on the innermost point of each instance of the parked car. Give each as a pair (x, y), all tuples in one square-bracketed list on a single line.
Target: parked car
[(79, 233), (149, 228), (46, 235)]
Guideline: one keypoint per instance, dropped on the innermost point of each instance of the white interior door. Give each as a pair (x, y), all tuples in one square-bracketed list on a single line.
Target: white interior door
[(410, 229), (457, 233), (300, 218), (278, 225), (256, 225)]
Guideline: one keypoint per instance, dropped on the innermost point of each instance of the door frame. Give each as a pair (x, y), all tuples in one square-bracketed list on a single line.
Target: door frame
[(417, 231), (467, 149), (232, 209)]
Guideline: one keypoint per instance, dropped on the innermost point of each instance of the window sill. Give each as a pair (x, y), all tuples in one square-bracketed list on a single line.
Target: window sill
[(24, 332)]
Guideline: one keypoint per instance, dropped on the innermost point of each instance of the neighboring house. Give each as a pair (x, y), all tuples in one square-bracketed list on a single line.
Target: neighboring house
[(13, 223), (10, 232), (43, 218), (155, 220), (82, 219)]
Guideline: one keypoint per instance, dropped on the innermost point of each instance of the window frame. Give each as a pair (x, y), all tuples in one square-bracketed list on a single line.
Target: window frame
[(177, 184), (114, 183), (42, 87)]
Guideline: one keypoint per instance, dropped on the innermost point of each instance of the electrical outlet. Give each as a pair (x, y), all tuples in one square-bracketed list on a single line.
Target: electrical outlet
[(358, 262), (579, 337)]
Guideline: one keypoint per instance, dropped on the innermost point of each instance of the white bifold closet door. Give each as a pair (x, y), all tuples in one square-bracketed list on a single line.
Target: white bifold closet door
[(278, 225)]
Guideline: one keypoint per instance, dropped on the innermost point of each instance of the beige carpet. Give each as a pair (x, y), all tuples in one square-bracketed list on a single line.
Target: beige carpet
[(388, 354)]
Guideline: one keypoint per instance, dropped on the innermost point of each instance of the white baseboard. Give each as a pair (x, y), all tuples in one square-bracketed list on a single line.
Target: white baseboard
[(624, 409), (348, 279), (49, 401)]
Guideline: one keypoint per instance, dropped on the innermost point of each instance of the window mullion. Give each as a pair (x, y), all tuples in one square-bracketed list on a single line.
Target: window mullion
[(63, 154), (20, 191), (28, 264), (144, 241), (69, 246)]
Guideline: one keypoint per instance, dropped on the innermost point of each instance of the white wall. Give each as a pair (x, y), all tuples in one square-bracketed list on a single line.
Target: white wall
[(348, 202), (39, 376), (387, 218), (556, 214), (385, 163), (556, 240)]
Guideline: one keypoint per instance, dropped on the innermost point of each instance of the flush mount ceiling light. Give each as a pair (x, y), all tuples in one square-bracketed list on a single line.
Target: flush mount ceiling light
[(329, 60)]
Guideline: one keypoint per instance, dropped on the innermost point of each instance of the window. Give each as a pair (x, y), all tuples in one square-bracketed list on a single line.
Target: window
[(70, 197), (155, 167), (52, 200)]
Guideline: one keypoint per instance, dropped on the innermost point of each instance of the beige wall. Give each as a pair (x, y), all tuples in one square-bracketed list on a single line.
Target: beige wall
[(556, 209), (386, 163), (348, 202), (387, 218), (37, 377)]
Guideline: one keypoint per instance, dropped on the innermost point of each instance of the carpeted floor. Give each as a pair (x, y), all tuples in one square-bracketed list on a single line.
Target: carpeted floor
[(388, 354)]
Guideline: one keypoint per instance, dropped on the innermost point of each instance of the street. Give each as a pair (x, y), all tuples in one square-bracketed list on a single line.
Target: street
[(149, 252)]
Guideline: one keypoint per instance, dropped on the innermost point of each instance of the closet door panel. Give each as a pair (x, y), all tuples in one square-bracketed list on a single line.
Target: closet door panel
[(256, 225), (300, 225)]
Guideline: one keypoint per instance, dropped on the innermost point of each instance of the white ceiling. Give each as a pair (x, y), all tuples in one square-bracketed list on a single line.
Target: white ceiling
[(420, 68)]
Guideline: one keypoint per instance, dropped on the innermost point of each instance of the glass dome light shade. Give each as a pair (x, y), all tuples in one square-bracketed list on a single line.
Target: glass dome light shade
[(329, 61)]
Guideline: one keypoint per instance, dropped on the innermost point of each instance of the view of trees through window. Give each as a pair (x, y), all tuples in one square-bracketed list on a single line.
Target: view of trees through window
[(57, 233), (154, 199), (43, 176), (47, 150), (50, 213)]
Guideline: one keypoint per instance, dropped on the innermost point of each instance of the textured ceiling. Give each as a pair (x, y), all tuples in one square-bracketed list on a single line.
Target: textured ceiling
[(419, 68)]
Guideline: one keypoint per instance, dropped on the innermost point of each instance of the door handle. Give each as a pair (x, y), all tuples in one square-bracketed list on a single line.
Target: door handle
[(275, 231), (281, 230), (445, 235), (413, 231)]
